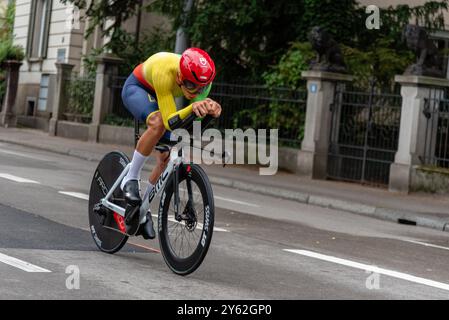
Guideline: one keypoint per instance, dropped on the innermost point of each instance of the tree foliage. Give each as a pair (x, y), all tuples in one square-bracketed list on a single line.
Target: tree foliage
[(287, 73), (8, 51), (394, 18), (244, 37), (340, 18), (108, 14), (369, 54), (7, 22), (247, 37)]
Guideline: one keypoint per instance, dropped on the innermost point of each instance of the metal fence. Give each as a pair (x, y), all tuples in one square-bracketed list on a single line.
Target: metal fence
[(80, 92), (2, 87), (364, 135), (119, 115), (244, 106), (436, 111), (260, 107)]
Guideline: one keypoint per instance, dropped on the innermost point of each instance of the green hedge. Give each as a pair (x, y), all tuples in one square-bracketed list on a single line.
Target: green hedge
[(81, 94)]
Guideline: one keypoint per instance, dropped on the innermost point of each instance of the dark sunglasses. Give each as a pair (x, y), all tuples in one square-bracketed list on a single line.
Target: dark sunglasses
[(193, 87)]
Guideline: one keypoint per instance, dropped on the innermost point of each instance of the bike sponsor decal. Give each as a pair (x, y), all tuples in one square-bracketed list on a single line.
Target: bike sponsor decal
[(120, 222), (101, 183), (161, 209), (123, 162), (94, 234), (206, 225), (158, 186)]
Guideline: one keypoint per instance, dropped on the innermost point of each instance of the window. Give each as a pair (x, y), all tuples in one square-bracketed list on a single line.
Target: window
[(39, 28), (43, 93)]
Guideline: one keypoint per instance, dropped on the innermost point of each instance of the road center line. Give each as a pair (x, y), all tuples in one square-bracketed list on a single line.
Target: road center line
[(23, 265), (78, 195), (17, 179), (371, 268)]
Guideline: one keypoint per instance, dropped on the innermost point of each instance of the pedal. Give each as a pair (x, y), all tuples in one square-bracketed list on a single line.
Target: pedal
[(101, 211), (132, 217)]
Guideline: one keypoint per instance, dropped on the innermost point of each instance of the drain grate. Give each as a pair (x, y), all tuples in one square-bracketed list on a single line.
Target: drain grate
[(407, 222)]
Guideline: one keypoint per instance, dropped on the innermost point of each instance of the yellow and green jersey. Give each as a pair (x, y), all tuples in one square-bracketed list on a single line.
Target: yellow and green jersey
[(158, 73)]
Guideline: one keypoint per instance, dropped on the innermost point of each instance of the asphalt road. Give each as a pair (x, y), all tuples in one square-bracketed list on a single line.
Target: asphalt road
[(263, 247)]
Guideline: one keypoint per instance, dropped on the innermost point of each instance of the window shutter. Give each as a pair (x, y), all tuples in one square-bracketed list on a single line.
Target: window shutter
[(47, 22), (31, 26)]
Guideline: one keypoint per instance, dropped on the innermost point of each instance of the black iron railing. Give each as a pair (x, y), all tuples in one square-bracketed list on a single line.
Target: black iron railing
[(260, 107), (119, 115), (80, 92), (244, 106), (364, 134), (436, 111)]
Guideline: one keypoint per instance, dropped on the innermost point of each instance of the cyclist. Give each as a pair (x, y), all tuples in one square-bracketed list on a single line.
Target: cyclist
[(149, 94)]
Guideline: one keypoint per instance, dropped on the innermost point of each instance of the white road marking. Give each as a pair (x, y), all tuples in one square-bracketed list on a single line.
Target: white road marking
[(229, 200), (371, 268), (17, 179), (23, 155), (23, 265), (75, 195), (170, 218), (199, 225), (238, 202), (427, 244)]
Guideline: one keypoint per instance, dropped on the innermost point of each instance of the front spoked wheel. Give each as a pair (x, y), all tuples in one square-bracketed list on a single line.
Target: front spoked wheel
[(185, 238)]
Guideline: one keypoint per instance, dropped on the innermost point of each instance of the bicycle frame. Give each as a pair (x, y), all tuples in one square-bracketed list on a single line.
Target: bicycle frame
[(176, 158)]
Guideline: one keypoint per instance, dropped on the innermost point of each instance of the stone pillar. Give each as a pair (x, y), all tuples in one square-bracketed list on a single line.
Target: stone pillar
[(412, 133), (7, 114), (312, 159), (107, 69), (60, 98)]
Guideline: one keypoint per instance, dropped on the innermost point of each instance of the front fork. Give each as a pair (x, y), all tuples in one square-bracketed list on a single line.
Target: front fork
[(188, 213)]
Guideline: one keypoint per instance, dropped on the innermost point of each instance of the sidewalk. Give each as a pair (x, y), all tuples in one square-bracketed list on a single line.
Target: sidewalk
[(422, 209)]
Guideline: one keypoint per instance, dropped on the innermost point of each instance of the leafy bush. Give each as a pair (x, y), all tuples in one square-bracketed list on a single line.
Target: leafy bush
[(287, 73), (115, 120), (287, 116), (7, 22), (381, 62), (8, 51), (123, 45), (81, 93), (2, 86)]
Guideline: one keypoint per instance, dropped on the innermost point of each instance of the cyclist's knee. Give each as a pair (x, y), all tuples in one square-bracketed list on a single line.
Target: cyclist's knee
[(156, 124)]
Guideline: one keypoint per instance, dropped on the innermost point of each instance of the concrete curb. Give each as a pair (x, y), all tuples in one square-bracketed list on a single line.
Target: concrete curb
[(64, 151), (394, 215)]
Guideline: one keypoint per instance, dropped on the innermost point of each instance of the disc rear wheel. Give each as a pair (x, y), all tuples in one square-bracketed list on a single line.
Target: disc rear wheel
[(103, 226)]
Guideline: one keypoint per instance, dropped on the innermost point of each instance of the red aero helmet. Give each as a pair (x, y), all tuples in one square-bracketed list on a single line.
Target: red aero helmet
[(197, 66)]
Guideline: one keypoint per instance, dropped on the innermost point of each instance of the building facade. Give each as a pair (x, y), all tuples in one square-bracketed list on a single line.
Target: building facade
[(51, 32)]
